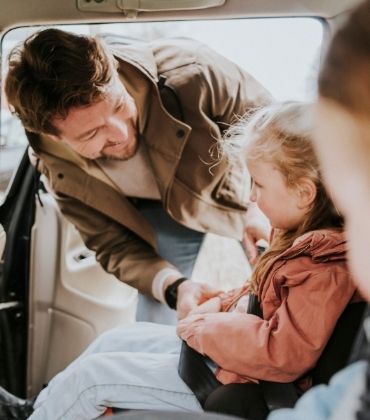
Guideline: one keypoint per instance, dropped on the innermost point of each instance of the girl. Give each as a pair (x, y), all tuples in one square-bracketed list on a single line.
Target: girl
[(302, 281), (302, 284)]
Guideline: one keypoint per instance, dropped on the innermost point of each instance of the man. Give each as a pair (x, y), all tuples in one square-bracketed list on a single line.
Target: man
[(125, 136)]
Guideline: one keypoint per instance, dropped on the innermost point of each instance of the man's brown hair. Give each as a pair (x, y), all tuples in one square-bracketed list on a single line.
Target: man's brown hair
[(52, 72), (345, 74)]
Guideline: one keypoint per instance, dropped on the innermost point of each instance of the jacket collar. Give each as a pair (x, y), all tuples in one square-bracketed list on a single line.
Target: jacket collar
[(138, 55), (322, 245)]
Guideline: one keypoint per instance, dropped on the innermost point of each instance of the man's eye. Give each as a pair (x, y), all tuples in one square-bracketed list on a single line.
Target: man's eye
[(91, 136), (119, 107)]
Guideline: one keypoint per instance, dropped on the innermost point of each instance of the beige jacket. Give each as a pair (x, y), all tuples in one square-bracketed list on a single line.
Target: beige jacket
[(212, 91)]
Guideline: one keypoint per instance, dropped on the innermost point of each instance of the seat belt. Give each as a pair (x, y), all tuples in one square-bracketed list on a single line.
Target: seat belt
[(194, 371), (276, 394)]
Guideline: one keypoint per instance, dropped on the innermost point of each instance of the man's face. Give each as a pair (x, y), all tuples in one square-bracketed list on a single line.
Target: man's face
[(104, 129), (340, 138)]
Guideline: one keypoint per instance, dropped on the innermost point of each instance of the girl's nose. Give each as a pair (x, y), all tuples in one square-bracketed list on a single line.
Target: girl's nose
[(252, 194)]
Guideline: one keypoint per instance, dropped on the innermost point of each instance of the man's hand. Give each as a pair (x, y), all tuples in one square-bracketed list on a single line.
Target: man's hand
[(211, 305), (257, 228), (191, 294)]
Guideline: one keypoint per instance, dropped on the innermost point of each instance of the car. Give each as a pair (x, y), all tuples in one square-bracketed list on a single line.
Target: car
[(54, 296)]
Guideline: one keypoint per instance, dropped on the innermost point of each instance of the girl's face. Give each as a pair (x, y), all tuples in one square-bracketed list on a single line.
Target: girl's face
[(281, 205), (341, 140)]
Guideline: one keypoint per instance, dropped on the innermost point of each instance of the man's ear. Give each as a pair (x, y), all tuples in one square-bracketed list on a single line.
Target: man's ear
[(306, 191)]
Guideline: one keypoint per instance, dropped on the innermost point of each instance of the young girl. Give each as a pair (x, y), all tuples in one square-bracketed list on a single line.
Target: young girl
[(302, 284), (302, 281)]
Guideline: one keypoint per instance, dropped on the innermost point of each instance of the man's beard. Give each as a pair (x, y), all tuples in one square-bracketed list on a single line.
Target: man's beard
[(127, 153)]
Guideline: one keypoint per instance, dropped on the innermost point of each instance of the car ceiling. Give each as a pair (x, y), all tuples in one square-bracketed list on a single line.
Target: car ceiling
[(15, 13)]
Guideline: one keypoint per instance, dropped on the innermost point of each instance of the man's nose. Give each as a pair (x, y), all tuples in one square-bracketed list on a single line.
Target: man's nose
[(117, 133)]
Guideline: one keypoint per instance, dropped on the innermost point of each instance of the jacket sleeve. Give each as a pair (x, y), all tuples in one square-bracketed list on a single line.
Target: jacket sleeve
[(119, 251), (283, 347)]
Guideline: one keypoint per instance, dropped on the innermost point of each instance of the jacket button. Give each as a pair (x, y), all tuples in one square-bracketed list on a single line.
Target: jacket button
[(180, 133), (60, 176)]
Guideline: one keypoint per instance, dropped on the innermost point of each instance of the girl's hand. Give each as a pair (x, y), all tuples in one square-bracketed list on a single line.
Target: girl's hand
[(188, 327), (191, 295), (242, 305), (209, 306)]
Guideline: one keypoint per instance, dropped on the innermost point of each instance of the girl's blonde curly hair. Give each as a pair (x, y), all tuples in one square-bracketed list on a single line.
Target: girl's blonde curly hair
[(281, 133)]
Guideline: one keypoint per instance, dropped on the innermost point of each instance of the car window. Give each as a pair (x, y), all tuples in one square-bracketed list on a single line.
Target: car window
[(282, 53)]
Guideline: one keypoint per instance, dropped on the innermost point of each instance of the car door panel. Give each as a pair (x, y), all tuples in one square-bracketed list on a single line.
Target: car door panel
[(72, 300)]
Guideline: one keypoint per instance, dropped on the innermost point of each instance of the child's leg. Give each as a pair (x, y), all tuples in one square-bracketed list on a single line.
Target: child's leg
[(132, 337), (147, 337), (122, 380)]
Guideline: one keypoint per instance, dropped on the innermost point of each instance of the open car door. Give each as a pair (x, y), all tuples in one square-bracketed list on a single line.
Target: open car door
[(16, 219), (55, 297)]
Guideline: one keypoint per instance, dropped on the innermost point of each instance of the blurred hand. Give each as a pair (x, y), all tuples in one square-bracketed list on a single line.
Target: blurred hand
[(188, 327), (190, 295), (257, 228), (242, 305), (211, 305)]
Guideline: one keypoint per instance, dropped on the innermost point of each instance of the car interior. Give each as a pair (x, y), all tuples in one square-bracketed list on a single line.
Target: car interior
[(54, 297)]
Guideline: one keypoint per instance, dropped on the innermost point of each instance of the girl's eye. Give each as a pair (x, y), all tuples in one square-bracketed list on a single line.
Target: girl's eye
[(255, 184)]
